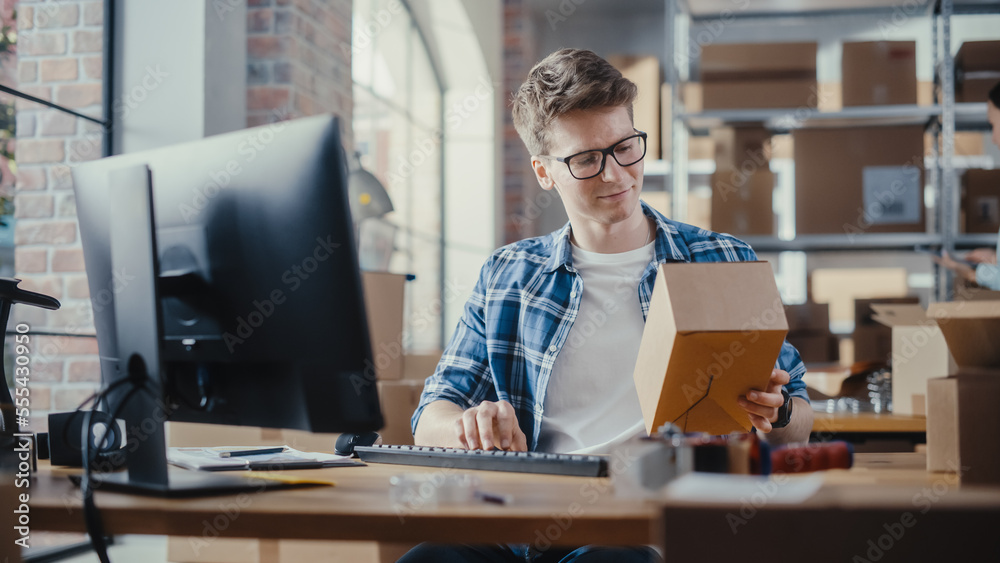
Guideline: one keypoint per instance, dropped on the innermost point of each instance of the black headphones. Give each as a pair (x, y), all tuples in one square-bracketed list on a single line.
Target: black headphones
[(63, 442)]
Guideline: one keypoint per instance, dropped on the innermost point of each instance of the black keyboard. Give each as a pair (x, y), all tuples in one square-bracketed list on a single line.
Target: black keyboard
[(490, 460)]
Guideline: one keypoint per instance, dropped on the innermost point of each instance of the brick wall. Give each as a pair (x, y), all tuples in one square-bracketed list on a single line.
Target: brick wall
[(296, 63), (518, 180), (296, 67), (59, 59)]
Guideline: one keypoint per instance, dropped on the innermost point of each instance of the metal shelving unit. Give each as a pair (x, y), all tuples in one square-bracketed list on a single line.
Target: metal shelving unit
[(943, 119)]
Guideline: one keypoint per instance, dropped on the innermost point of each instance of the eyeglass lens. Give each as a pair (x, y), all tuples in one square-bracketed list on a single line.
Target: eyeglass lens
[(626, 153)]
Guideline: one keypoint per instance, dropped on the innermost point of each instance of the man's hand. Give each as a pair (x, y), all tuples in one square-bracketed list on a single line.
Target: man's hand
[(762, 406), (490, 425)]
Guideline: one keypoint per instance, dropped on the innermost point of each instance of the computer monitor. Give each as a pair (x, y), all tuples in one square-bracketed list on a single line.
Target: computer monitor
[(224, 280)]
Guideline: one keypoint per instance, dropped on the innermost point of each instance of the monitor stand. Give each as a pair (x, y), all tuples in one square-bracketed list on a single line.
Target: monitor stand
[(140, 401)]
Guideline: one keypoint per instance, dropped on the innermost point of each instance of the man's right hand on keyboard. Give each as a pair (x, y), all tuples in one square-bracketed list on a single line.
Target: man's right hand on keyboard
[(490, 425)]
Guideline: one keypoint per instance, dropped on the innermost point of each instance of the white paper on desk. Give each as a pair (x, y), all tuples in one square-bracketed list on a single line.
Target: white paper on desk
[(208, 459), (735, 489)]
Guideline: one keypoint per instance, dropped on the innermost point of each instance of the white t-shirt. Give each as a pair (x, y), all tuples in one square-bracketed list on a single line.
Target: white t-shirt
[(590, 402)]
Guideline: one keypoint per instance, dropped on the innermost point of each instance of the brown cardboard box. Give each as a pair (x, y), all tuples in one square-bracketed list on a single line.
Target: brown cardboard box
[(398, 399), (721, 61), (713, 332), (864, 313), (872, 343), (976, 90), (977, 66), (859, 180), (743, 205), (972, 330), (963, 421), (981, 201), (384, 307), (742, 147), (418, 367), (759, 75), (737, 94), (644, 71), (808, 316), (919, 353), (963, 427), (815, 346), (966, 143), (879, 73)]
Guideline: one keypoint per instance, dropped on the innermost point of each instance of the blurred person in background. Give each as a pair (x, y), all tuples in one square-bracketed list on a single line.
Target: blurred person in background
[(980, 265)]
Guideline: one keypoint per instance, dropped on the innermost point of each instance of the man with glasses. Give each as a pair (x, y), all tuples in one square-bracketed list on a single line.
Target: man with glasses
[(543, 355)]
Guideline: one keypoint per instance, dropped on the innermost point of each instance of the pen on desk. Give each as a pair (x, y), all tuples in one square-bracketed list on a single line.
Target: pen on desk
[(494, 498), (259, 451)]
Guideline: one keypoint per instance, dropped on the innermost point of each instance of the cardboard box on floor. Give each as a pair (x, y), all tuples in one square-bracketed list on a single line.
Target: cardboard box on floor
[(963, 421), (981, 201), (384, 306), (919, 353), (644, 71), (712, 333), (859, 180), (879, 73)]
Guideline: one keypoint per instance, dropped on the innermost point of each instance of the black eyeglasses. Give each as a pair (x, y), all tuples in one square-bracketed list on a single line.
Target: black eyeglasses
[(587, 164)]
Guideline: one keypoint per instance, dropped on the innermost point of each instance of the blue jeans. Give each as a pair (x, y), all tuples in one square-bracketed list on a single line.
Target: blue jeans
[(521, 553)]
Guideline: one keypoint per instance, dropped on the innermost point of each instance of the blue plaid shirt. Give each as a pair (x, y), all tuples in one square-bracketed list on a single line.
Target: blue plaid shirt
[(524, 304)]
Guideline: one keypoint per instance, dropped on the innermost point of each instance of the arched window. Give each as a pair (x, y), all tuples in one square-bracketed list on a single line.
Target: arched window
[(398, 134)]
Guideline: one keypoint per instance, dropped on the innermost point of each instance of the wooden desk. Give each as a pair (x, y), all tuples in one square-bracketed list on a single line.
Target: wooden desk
[(558, 510), (867, 422), (882, 494), (887, 509)]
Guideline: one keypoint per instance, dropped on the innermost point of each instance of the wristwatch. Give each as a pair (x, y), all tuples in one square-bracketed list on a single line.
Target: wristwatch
[(784, 412)]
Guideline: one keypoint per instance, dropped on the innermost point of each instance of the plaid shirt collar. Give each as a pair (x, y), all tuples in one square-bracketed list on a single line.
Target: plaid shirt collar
[(668, 245)]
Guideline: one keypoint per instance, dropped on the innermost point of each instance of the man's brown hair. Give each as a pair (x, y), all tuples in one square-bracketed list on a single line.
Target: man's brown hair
[(566, 80)]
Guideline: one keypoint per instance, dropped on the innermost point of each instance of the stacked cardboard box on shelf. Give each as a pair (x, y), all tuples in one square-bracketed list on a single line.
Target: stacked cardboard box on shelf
[(963, 421), (872, 339), (809, 332), (644, 71), (743, 184), (859, 180), (879, 73), (977, 69), (981, 201), (758, 75)]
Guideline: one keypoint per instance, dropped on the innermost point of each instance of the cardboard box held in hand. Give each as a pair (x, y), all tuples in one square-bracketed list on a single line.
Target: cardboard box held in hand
[(713, 332)]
